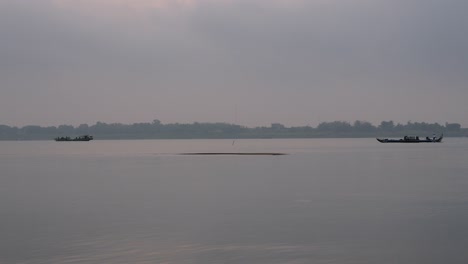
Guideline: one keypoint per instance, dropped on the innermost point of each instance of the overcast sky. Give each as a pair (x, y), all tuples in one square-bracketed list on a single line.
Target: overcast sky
[(252, 62)]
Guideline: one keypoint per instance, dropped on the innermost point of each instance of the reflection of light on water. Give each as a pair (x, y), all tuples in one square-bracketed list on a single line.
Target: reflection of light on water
[(116, 250), (138, 202)]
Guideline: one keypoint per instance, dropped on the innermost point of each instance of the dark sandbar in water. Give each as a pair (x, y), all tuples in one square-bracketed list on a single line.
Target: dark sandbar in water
[(236, 153)]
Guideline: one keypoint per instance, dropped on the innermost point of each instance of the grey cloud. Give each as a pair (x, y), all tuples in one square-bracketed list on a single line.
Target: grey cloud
[(315, 60)]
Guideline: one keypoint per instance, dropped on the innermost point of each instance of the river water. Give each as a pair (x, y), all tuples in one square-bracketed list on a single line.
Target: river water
[(327, 201)]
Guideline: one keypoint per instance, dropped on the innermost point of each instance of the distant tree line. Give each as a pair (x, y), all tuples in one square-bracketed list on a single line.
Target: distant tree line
[(158, 130)]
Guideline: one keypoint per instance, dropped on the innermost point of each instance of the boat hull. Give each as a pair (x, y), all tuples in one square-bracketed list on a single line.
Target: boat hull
[(61, 140), (67, 139), (386, 140)]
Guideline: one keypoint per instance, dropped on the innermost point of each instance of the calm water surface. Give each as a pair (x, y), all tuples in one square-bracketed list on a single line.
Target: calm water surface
[(328, 201)]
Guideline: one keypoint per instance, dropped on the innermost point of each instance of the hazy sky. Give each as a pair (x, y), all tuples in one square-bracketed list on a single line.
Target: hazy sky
[(296, 62)]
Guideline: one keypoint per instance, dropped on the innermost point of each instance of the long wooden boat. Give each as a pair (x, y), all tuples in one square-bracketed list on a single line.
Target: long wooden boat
[(81, 138), (411, 139)]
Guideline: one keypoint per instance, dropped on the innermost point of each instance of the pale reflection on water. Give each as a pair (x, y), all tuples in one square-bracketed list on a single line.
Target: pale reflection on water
[(328, 201)]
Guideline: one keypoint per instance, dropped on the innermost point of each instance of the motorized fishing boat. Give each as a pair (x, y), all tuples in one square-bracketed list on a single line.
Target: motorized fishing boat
[(412, 139), (80, 138)]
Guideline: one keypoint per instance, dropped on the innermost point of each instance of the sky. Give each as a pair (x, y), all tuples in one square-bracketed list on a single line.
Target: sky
[(250, 62)]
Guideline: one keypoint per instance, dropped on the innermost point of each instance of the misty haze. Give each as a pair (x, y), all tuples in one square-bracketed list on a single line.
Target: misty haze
[(294, 62), (130, 85)]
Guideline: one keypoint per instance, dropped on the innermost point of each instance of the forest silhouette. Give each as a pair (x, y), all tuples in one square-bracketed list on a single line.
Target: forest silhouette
[(196, 130)]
